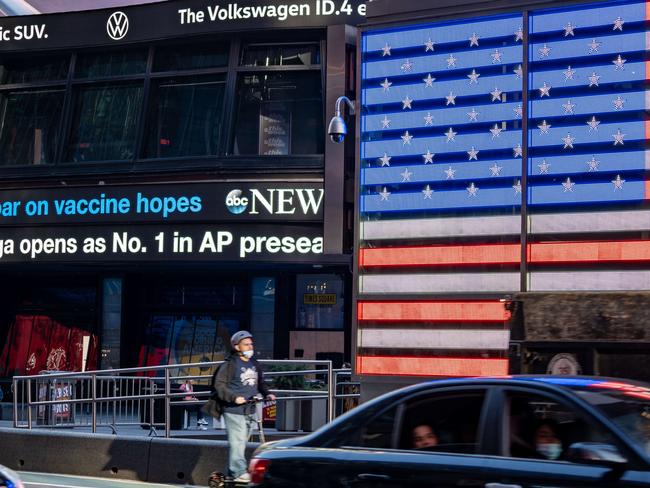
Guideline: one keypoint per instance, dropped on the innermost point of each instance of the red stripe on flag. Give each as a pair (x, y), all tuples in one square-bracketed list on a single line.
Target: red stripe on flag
[(647, 190), (447, 311), (499, 254), (430, 366)]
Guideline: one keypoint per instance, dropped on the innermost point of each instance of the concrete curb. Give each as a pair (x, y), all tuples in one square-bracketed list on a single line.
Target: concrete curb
[(151, 459)]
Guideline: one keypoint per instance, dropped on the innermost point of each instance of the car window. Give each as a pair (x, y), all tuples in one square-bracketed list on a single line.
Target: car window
[(442, 423), (378, 433), (541, 427)]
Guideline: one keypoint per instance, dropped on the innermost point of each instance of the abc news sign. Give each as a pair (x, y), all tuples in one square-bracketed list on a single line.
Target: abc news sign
[(241, 202)]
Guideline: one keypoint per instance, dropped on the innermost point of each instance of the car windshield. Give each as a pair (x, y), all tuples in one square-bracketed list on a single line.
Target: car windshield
[(626, 404)]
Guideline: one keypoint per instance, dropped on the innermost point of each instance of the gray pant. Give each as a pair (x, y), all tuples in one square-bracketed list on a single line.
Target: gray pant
[(238, 428)]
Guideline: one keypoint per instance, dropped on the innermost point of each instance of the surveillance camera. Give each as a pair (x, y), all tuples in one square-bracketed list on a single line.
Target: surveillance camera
[(337, 129)]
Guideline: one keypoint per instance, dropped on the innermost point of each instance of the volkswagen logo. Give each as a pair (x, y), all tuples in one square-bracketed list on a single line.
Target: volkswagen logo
[(117, 25)]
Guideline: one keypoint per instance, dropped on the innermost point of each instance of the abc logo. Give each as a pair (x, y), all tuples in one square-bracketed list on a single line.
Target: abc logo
[(235, 202)]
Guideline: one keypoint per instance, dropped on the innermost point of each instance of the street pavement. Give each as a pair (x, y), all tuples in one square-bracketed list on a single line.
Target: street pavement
[(48, 480)]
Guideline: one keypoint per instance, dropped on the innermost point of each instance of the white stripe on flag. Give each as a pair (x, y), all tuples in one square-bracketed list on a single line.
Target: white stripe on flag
[(435, 339), (589, 280), (628, 220), (440, 227), (439, 282)]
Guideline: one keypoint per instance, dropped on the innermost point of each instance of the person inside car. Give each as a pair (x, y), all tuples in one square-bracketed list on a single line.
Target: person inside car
[(424, 437), (547, 440)]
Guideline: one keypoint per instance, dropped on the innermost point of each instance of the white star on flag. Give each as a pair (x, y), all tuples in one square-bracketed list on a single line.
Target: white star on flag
[(618, 103), (428, 119), (568, 107), (496, 56), (618, 183), (544, 51), (568, 141), (385, 50), (618, 137), (519, 111), (593, 46), (473, 154), (619, 63), (473, 115), (472, 189), (568, 74), (428, 157), (495, 169), (428, 45), (406, 175), (568, 185), (451, 99), (428, 81), (384, 194), (519, 34), (519, 72), (544, 127), (428, 192), (386, 85), (517, 151), (451, 61), (496, 94), (517, 187), (450, 173), (496, 131), (385, 123), (568, 30), (451, 135), (545, 90), (473, 77), (593, 79), (406, 138), (385, 160), (593, 123), (407, 66), (543, 167), (406, 103), (593, 164), (618, 24), (473, 41)]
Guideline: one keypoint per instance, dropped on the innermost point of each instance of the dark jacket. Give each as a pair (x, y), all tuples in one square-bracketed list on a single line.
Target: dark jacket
[(226, 372)]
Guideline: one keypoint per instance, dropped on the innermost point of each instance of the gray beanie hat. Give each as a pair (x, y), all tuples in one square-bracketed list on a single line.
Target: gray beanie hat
[(237, 337)]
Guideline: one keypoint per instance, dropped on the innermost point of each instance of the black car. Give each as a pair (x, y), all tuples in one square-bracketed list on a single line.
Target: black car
[(540, 432)]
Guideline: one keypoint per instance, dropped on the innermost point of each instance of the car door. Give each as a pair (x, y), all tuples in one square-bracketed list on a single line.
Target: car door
[(530, 420), (395, 448)]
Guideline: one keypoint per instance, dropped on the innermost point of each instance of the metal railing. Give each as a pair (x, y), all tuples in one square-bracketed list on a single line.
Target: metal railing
[(145, 396)]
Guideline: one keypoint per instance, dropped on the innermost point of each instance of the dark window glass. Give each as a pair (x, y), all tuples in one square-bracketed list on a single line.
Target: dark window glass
[(282, 55), (104, 123), (50, 68), (29, 125), (378, 433), (171, 58), (279, 114), (114, 63), (186, 118)]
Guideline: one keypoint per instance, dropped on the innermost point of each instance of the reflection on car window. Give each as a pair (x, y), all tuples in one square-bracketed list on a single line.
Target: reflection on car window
[(539, 427), (442, 423), (378, 433)]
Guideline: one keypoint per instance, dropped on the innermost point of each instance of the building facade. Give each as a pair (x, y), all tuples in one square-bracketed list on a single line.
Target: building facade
[(167, 181), (503, 220)]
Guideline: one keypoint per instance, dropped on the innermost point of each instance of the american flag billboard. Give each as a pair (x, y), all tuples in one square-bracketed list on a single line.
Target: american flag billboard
[(445, 171)]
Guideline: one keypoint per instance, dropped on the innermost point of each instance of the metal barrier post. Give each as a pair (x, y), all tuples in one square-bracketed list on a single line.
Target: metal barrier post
[(94, 407), (168, 427), (330, 392), (15, 394), (29, 404)]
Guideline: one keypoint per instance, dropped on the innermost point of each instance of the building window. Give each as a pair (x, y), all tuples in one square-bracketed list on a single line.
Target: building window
[(34, 70), (30, 120), (186, 118), (320, 301), (191, 56), (104, 123), (112, 63), (279, 113), (254, 55)]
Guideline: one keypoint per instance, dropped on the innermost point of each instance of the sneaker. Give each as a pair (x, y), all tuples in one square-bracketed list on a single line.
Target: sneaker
[(202, 422), (243, 478)]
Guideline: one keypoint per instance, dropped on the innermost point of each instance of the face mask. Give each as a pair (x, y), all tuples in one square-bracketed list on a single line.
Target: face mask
[(550, 451), (248, 354)]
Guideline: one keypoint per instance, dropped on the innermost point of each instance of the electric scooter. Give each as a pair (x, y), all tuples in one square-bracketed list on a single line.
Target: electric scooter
[(219, 479)]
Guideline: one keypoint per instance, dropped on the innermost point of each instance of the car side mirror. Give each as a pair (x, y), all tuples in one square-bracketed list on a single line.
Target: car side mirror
[(596, 453)]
